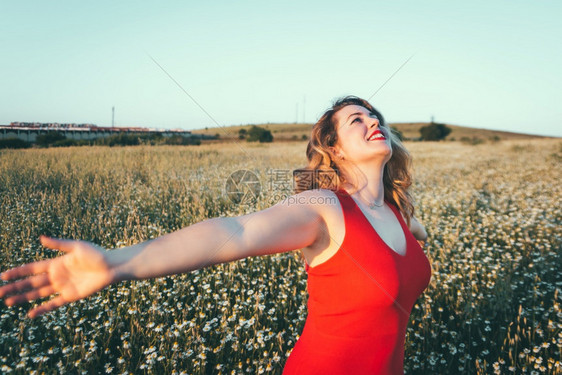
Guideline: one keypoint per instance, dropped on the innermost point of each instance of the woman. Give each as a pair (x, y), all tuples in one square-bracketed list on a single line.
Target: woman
[(365, 268)]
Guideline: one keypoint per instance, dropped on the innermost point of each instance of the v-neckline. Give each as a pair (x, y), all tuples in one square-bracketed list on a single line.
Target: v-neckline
[(374, 230)]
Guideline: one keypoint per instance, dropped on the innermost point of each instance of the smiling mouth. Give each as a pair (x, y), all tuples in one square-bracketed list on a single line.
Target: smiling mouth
[(376, 136)]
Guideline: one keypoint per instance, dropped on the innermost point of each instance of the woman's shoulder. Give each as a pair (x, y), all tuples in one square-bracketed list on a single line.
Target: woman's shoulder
[(324, 201), (327, 203), (316, 197)]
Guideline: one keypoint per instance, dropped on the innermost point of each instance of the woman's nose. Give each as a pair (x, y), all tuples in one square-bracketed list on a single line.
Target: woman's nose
[(375, 121)]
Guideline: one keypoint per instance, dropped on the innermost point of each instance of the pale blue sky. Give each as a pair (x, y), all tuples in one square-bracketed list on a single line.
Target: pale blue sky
[(486, 64)]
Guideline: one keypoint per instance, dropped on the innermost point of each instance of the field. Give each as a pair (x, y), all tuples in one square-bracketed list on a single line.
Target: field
[(492, 211)]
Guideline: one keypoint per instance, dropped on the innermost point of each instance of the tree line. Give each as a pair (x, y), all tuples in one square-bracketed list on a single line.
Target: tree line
[(57, 139), (431, 132)]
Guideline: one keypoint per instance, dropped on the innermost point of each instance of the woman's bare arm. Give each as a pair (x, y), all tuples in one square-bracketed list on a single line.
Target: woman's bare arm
[(418, 231), (283, 227), (86, 268)]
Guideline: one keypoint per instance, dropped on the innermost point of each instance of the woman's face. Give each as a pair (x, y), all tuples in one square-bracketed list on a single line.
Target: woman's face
[(360, 135)]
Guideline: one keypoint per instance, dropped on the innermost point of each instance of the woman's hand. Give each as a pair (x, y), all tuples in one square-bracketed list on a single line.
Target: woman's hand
[(82, 271), (85, 269)]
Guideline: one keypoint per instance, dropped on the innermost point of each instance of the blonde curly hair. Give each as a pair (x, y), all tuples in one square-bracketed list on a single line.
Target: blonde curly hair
[(323, 170)]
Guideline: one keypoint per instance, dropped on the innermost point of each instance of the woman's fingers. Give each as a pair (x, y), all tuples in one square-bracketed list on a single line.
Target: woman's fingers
[(30, 296), (57, 244), (41, 266), (26, 270), (47, 306), (33, 282)]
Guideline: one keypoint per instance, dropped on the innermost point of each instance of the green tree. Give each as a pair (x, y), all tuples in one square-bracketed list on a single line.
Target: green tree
[(44, 140), (120, 139), (14, 143), (181, 140), (434, 132), (256, 134), (242, 133), (67, 142)]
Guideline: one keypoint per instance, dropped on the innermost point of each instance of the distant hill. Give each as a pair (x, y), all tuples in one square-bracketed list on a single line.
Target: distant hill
[(280, 131), (410, 131)]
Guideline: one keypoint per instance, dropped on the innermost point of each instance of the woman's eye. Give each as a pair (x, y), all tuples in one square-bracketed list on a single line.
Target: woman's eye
[(357, 119)]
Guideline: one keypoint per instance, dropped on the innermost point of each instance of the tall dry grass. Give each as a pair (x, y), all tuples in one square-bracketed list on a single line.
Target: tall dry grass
[(493, 305)]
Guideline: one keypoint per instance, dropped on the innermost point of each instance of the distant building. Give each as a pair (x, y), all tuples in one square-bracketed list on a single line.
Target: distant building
[(28, 131)]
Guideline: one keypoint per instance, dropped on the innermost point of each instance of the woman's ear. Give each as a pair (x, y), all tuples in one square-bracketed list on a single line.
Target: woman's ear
[(337, 153)]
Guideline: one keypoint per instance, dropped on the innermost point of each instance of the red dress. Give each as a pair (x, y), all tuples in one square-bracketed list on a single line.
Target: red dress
[(359, 302)]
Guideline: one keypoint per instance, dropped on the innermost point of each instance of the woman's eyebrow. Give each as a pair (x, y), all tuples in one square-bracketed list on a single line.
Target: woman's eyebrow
[(353, 114)]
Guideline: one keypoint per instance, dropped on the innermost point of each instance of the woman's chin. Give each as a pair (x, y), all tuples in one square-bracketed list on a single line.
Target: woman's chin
[(382, 148)]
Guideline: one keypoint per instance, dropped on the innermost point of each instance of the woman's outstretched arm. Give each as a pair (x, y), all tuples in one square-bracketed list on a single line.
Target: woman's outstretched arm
[(85, 268), (282, 227)]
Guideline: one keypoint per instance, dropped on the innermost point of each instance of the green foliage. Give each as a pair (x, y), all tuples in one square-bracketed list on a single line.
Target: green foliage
[(257, 133), (45, 140), (152, 137), (124, 139), (57, 139), (181, 140), (434, 132), (120, 139), (14, 143)]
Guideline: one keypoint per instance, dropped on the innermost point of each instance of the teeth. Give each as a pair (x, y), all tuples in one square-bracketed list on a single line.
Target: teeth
[(376, 136)]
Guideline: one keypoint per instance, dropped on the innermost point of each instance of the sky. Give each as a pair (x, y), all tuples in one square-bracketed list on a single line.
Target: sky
[(484, 64)]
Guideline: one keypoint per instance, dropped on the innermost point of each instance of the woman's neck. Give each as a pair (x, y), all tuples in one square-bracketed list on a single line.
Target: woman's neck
[(366, 184)]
